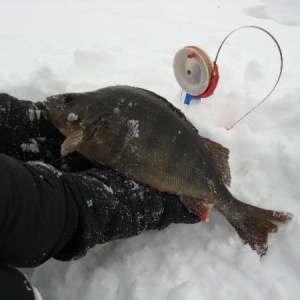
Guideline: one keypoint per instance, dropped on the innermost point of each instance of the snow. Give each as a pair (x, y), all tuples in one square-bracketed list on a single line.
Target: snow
[(58, 46), (72, 117), (133, 130), (30, 147), (31, 114)]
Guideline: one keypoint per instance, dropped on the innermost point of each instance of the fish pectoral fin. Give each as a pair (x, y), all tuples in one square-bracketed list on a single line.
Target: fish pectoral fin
[(72, 142), (197, 206), (220, 156)]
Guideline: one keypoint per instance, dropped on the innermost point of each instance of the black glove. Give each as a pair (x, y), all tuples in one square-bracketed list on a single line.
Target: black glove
[(26, 131), (113, 207), (29, 135)]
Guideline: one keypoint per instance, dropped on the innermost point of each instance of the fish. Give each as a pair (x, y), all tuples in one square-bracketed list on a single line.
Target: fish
[(142, 136)]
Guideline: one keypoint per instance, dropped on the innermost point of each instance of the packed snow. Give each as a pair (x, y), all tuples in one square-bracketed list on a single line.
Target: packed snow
[(30, 147), (58, 46), (72, 117), (133, 130)]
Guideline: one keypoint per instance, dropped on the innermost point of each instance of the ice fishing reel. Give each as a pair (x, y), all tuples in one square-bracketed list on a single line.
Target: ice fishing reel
[(195, 73), (199, 77)]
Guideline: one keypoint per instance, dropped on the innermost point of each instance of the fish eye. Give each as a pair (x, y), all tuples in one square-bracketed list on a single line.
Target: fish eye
[(68, 98)]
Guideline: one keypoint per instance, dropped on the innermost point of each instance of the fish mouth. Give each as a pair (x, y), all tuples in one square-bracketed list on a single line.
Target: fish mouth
[(47, 103), (57, 115), (50, 108)]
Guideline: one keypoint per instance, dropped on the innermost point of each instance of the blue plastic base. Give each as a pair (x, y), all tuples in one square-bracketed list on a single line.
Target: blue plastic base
[(189, 98)]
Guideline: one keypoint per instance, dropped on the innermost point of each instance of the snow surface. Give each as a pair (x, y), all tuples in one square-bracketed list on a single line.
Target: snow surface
[(57, 46)]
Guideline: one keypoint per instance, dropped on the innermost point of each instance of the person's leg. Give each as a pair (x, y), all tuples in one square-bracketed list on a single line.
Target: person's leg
[(14, 285), (36, 217)]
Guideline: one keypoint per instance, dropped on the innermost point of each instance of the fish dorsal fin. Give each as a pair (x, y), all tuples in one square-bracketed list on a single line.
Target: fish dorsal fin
[(72, 142), (220, 157)]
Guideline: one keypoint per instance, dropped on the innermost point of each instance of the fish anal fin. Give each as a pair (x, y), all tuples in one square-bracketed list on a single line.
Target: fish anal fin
[(197, 206), (72, 142), (220, 156)]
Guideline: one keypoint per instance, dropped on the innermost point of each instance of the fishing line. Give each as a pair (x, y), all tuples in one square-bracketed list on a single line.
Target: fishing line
[(279, 75), (199, 77)]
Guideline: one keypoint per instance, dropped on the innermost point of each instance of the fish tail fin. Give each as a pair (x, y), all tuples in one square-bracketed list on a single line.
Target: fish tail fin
[(253, 224)]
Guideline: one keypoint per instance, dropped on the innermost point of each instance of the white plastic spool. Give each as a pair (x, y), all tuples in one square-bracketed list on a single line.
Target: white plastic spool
[(194, 73)]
